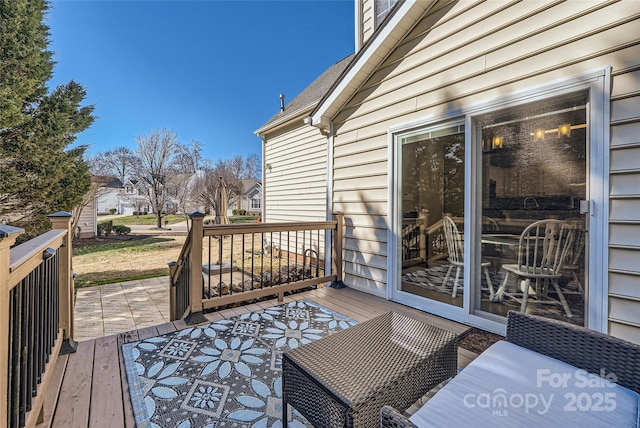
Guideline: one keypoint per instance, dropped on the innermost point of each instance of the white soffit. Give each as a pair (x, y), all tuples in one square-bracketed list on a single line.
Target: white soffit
[(376, 50)]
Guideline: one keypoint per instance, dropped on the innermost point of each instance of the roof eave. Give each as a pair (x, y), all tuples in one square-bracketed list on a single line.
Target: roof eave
[(369, 59), (285, 120)]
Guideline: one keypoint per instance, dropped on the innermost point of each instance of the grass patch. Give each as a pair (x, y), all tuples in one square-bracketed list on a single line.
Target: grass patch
[(128, 246), (243, 219), (107, 260), (146, 220)]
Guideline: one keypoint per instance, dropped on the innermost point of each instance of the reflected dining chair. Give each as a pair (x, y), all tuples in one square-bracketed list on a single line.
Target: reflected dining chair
[(575, 260), (542, 249), (455, 245)]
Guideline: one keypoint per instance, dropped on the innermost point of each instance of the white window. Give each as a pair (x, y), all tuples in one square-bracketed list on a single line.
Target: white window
[(255, 203), (381, 9)]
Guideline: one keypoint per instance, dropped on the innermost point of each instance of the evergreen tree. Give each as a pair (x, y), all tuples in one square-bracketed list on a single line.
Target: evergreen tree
[(39, 173)]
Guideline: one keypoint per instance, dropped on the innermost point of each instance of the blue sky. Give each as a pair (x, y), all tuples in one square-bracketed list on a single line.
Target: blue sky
[(211, 71)]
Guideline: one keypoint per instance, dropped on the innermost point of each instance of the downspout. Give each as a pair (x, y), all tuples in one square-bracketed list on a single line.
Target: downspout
[(263, 208), (329, 196)]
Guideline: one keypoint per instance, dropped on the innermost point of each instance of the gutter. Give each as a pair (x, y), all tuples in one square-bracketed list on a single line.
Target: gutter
[(286, 119)]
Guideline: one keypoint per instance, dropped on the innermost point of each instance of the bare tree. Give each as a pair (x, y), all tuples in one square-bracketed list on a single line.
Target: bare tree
[(252, 166), (156, 152), (121, 162), (189, 157), (205, 188)]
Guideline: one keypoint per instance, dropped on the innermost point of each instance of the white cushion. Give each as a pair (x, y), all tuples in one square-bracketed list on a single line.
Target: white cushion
[(508, 385)]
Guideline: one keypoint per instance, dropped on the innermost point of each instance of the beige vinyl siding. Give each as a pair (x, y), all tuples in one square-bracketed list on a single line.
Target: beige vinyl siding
[(87, 221), (295, 187), (465, 53), (367, 20), (624, 185)]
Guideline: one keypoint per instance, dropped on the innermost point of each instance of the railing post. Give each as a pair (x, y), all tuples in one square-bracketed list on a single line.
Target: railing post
[(8, 236), (62, 220), (172, 291), (423, 218), (336, 256), (196, 316)]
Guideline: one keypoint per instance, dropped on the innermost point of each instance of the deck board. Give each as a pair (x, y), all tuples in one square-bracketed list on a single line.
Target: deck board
[(95, 391), (106, 392), (75, 395), (52, 394)]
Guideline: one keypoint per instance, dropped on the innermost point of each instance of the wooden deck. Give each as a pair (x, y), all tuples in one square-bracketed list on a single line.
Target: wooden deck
[(89, 388)]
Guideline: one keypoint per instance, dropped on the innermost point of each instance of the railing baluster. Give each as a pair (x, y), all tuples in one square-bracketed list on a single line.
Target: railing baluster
[(220, 265), (209, 268), (28, 345), (230, 264), (279, 258), (253, 253), (22, 378), (242, 263), (14, 356)]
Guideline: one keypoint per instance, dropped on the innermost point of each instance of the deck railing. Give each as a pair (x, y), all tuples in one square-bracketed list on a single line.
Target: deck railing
[(224, 264), (36, 317)]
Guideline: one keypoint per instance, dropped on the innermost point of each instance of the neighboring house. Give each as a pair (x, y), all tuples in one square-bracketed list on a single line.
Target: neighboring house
[(494, 114), (108, 195), (250, 199), (125, 198), (132, 198)]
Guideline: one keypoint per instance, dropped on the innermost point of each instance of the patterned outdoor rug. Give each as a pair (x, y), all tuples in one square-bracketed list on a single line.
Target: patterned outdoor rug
[(226, 373)]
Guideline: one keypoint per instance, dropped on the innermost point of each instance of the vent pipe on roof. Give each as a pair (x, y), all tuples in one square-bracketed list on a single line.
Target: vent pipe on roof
[(281, 102)]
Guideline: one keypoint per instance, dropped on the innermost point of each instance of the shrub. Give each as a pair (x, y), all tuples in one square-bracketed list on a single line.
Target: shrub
[(237, 211), (112, 211), (121, 229), (105, 228)]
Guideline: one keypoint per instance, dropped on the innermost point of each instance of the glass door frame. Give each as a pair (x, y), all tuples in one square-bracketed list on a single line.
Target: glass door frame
[(598, 85)]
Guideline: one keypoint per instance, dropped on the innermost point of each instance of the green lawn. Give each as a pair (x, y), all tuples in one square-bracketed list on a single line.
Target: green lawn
[(119, 247), (243, 219), (104, 261), (148, 219)]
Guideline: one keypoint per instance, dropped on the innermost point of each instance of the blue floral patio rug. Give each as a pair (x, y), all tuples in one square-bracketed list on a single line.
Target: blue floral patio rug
[(226, 373)]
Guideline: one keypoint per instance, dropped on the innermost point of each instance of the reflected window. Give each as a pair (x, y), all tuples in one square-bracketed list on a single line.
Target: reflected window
[(432, 189), (534, 171)]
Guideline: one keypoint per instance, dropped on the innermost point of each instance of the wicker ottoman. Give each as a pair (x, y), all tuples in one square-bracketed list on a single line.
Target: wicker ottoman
[(343, 380)]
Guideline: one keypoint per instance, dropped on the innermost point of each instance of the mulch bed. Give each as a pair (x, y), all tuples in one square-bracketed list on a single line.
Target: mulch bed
[(477, 340)]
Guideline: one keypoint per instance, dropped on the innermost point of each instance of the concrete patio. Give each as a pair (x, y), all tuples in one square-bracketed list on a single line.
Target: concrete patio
[(115, 308)]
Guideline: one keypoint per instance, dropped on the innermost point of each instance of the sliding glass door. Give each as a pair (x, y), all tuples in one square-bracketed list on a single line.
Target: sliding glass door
[(432, 196), (533, 232), (522, 243)]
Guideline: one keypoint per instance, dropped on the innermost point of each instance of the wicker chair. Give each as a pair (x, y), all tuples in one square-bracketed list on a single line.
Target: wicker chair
[(582, 348)]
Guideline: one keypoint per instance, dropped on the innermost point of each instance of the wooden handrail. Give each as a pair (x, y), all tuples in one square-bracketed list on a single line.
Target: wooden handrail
[(232, 229), (25, 257), (276, 242), (36, 287)]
